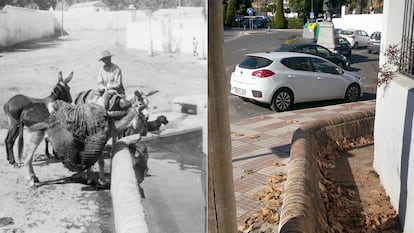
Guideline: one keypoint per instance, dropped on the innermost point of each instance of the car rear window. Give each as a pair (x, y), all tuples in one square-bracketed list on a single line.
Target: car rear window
[(253, 62), (376, 36), (345, 32)]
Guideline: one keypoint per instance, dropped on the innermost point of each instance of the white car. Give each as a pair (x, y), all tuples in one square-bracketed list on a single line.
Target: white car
[(284, 78), (357, 38)]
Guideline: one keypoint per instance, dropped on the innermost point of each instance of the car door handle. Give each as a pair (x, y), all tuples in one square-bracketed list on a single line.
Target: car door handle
[(319, 78), (291, 76)]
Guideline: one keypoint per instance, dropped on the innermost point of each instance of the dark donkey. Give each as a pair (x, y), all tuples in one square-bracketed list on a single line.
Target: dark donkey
[(21, 103)]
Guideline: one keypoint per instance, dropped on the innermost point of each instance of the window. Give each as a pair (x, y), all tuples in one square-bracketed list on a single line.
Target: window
[(323, 66), (322, 50), (407, 46), (252, 62), (297, 63)]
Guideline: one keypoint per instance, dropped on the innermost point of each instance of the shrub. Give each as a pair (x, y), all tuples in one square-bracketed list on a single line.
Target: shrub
[(295, 23), (230, 17)]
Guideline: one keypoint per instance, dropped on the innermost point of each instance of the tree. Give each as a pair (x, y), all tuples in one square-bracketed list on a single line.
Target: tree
[(33, 4), (230, 16), (280, 20)]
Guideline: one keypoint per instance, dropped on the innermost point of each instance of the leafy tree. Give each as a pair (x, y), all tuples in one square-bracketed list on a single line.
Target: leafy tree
[(33, 4), (230, 16), (280, 20), (242, 6)]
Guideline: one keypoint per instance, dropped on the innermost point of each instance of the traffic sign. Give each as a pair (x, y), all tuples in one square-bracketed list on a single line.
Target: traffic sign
[(312, 15), (250, 11)]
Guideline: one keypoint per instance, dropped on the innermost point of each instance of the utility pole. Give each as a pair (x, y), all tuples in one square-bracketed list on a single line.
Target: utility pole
[(61, 29), (222, 216)]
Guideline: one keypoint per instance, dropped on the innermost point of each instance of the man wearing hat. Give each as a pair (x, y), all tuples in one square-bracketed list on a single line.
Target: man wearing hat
[(110, 75), (110, 80)]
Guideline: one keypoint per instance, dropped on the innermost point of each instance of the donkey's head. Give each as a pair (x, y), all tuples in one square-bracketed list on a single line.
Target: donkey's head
[(141, 101), (62, 91)]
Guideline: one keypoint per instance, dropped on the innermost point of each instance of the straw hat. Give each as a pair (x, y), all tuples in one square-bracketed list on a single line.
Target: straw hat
[(104, 54)]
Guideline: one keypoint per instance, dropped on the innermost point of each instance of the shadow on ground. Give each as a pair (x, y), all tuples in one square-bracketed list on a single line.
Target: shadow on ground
[(49, 42)]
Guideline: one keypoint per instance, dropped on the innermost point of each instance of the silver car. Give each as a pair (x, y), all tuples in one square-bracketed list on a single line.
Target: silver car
[(284, 78), (357, 38), (374, 42)]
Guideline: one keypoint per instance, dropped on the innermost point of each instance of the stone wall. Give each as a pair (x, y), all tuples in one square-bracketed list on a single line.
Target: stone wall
[(22, 24), (303, 209)]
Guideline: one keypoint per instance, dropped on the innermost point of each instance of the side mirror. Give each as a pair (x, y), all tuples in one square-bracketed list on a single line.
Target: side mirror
[(339, 71)]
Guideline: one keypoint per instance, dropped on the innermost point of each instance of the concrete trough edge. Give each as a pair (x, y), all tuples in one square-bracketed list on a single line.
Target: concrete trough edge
[(129, 215), (298, 214)]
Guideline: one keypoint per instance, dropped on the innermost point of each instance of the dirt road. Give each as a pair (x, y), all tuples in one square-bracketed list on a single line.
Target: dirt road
[(32, 69)]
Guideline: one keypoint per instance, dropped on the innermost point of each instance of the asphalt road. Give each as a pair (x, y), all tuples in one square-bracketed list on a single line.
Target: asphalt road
[(237, 43)]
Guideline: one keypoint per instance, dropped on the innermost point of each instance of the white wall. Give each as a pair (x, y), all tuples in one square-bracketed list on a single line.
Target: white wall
[(90, 20), (22, 24), (366, 22), (171, 30), (394, 126)]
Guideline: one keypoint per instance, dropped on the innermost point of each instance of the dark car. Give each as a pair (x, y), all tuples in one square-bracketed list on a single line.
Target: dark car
[(317, 50), (260, 23), (342, 46), (374, 42), (245, 23)]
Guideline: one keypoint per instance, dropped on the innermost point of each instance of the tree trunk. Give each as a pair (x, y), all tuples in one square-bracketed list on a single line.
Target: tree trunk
[(221, 199), (359, 6)]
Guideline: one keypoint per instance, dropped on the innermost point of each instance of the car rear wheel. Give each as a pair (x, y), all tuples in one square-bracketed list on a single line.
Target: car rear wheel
[(282, 100), (352, 93)]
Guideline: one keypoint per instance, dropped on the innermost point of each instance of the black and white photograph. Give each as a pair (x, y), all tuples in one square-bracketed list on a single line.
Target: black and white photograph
[(103, 123)]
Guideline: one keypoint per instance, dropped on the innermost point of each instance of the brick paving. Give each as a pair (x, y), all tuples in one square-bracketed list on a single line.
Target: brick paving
[(258, 142)]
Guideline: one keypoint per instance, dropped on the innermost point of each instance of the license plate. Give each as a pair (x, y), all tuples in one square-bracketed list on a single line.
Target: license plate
[(240, 91)]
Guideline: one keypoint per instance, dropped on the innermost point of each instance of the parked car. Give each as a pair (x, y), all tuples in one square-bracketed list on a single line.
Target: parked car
[(317, 50), (245, 23), (374, 42), (336, 31), (282, 79), (357, 38), (239, 18), (342, 46), (260, 23)]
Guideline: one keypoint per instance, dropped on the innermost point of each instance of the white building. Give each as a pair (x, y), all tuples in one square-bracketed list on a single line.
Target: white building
[(394, 120), (94, 6)]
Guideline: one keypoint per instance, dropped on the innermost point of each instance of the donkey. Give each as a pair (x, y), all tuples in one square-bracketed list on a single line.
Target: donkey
[(17, 104), (80, 151)]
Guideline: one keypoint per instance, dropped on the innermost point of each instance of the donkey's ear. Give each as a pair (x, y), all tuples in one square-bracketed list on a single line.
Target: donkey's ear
[(151, 92), (69, 77), (60, 76)]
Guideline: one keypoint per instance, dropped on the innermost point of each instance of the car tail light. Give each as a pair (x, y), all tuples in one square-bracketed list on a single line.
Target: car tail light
[(263, 73), (234, 68), (353, 36), (369, 41)]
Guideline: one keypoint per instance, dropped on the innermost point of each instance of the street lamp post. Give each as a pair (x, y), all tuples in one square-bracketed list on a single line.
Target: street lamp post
[(61, 29)]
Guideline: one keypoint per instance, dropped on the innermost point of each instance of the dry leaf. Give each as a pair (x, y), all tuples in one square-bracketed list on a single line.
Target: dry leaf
[(277, 164), (292, 121), (248, 171), (254, 136), (238, 134)]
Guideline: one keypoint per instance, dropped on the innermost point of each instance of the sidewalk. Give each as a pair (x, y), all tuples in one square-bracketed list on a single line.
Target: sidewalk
[(261, 147)]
